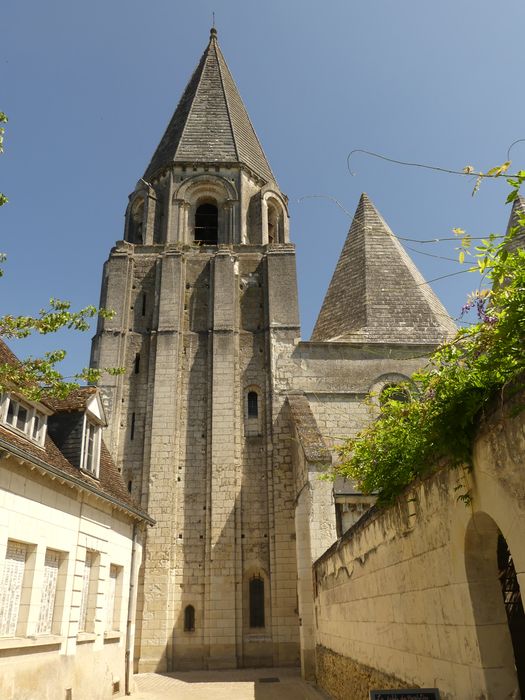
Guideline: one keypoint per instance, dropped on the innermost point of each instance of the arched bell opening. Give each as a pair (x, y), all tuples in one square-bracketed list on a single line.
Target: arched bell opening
[(136, 222), (497, 607), (274, 224), (207, 224)]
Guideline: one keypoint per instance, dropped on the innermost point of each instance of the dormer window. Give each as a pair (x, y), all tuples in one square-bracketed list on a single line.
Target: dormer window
[(23, 418), (90, 459)]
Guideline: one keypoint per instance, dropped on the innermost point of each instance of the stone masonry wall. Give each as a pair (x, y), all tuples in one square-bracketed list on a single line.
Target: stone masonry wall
[(411, 592)]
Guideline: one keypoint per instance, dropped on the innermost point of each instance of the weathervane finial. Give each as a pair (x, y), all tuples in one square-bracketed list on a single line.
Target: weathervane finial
[(213, 31)]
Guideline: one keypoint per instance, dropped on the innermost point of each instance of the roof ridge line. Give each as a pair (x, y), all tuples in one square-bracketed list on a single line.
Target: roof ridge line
[(216, 47), (221, 56), (187, 121)]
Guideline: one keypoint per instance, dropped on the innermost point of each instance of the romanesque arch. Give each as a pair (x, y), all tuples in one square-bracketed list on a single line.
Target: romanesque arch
[(195, 199), (501, 647)]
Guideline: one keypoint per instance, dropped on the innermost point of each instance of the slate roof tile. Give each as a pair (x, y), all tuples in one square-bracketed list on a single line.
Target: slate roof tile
[(109, 484), (377, 294), (210, 123)]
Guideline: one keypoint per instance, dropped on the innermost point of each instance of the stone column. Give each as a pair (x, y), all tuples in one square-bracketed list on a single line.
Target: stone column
[(109, 343), (150, 202), (159, 479), (264, 222), (174, 232), (221, 596)]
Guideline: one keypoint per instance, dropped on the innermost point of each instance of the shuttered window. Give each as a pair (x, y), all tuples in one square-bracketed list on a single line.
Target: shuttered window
[(11, 582), (49, 591)]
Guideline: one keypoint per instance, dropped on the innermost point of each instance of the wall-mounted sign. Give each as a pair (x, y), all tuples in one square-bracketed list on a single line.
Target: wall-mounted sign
[(405, 694)]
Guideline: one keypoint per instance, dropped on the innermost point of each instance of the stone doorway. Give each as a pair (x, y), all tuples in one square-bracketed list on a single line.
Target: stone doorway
[(513, 603), (497, 607)]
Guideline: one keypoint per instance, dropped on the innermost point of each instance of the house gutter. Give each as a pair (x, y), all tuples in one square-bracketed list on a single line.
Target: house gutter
[(82, 485), (132, 607)]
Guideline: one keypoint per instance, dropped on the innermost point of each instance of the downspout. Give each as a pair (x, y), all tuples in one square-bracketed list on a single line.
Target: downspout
[(132, 606)]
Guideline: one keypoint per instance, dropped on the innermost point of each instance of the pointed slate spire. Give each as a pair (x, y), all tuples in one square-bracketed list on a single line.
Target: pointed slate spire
[(211, 124), (518, 211), (377, 295)]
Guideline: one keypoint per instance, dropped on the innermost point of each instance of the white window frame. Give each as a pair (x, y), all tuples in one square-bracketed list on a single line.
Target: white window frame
[(34, 426), (90, 460)]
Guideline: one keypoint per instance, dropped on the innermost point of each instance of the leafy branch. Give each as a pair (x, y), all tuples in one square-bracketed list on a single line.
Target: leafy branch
[(437, 416)]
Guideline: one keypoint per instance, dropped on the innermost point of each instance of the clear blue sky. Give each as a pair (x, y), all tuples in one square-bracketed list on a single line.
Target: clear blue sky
[(90, 86)]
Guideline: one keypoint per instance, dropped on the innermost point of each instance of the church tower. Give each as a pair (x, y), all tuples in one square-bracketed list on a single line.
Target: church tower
[(204, 292)]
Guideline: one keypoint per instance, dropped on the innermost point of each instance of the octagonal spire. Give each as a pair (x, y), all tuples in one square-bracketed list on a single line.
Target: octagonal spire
[(211, 124)]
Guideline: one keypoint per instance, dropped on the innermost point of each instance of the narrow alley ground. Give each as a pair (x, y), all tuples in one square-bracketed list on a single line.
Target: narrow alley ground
[(245, 684)]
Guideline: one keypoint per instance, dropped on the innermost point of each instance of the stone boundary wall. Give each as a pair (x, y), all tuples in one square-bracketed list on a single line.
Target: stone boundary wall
[(342, 677), (410, 595)]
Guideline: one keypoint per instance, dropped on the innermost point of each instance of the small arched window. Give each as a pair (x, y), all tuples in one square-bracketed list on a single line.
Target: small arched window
[(136, 222), (253, 404), (207, 224), (394, 392), (256, 602), (189, 618)]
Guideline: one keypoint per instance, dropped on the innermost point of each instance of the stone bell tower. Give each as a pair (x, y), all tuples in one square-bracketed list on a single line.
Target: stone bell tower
[(204, 292)]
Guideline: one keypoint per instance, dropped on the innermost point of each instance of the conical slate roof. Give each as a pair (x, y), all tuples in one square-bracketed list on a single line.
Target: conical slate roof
[(211, 124), (377, 295), (518, 210)]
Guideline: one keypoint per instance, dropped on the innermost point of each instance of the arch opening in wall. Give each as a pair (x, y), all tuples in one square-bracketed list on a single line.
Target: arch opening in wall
[(497, 607), (189, 618), (207, 224), (252, 411), (275, 222), (510, 589), (136, 222), (256, 595), (394, 392), (253, 404)]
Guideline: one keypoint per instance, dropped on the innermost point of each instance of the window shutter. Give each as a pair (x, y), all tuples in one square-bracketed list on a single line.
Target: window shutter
[(11, 587), (49, 589)]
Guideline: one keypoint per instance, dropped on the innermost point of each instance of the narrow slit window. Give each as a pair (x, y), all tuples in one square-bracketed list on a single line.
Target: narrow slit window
[(256, 602), (143, 304), (189, 618), (132, 428), (137, 363), (253, 404)]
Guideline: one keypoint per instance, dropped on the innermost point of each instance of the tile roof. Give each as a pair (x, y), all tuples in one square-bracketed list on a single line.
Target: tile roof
[(49, 458), (75, 401), (518, 209), (377, 294), (312, 442), (211, 124)]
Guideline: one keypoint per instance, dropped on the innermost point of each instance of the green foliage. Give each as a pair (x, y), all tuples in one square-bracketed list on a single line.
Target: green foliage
[(446, 399), (37, 377)]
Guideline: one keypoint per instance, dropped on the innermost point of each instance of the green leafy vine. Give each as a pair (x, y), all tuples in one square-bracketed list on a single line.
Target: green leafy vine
[(436, 417)]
